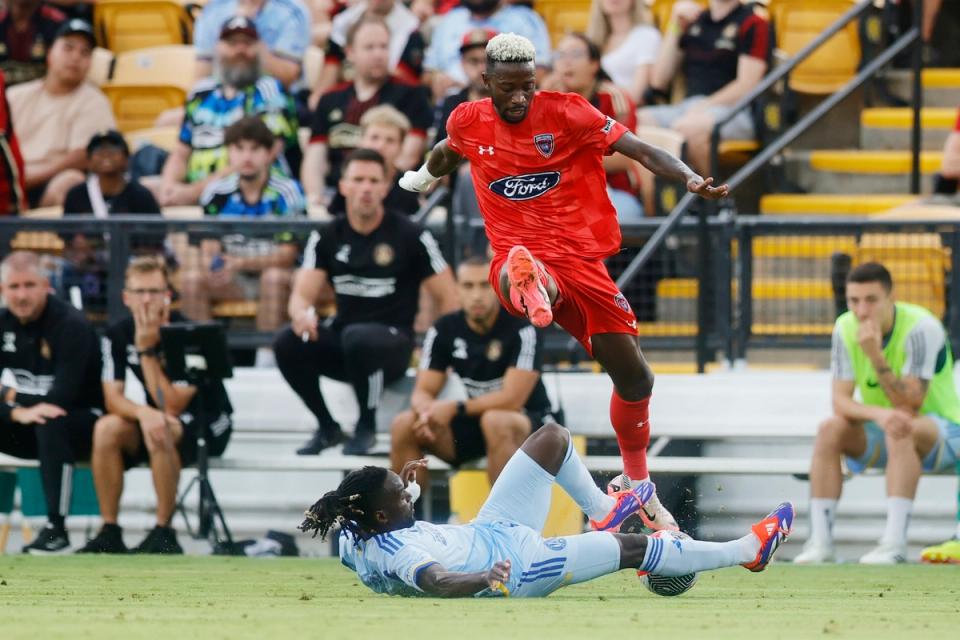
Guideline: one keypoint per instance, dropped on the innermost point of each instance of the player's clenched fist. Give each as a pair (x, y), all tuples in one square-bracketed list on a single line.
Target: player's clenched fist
[(417, 181)]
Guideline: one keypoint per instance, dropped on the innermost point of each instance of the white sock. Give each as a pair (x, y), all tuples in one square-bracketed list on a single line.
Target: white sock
[(636, 481), (579, 485), (822, 513), (898, 518), (670, 556)]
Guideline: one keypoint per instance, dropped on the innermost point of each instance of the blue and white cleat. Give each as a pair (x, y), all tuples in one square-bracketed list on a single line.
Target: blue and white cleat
[(629, 504), (772, 531)]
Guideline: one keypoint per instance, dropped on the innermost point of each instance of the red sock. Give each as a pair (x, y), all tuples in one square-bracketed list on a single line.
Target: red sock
[(631, 422)]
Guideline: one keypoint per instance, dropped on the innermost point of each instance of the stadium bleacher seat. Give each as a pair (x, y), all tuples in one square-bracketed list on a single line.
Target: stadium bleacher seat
[(831, 204), (797, 22), (563, 16), (125, 25), (136, 106), (164, 65), (661, 9), (101, 66), (864, 161)]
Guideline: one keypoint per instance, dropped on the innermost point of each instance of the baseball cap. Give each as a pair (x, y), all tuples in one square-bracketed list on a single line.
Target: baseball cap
[(239, 24), (76, 26), (110, 138), (476, 38)]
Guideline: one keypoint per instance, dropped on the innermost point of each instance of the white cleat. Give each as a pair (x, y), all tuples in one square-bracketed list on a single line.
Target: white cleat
[(886, 554), (814, 553)]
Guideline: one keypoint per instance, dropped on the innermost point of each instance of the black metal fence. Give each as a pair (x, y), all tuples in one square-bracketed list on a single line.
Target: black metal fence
[(717, 286)]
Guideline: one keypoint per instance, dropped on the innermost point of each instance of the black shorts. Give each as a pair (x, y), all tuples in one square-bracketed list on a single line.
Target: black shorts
[(468, 442), (220, 426)]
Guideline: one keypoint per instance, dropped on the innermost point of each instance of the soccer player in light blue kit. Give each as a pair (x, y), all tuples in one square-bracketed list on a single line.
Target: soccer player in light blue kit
[(502, 551)]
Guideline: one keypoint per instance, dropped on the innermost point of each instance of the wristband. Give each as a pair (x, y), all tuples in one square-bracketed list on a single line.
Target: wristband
[(461, 408), (152, 351), (883, 370)]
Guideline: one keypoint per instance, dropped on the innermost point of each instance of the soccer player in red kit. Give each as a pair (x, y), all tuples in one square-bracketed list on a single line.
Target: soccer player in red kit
[(537, 162)]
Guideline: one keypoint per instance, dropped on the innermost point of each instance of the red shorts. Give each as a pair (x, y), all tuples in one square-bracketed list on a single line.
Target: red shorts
[(588, 301)]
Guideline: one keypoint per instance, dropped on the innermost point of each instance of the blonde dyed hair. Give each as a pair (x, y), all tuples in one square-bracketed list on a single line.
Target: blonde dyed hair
[(510, 47)]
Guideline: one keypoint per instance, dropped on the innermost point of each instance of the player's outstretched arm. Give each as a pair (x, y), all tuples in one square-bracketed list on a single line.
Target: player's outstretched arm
[(437, 581), (442, 161), (666, 165)]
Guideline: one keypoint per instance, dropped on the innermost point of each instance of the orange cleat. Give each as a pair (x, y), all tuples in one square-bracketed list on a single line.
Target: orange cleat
[(527, 292), (772, 531)]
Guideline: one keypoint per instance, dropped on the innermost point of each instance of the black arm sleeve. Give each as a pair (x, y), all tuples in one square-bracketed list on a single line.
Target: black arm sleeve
[(72, 347)]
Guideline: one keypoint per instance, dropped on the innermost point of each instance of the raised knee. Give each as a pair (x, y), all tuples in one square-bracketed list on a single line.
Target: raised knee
[(107, 432), (285, 345), (554, 434), (831, 430), (401, 428)]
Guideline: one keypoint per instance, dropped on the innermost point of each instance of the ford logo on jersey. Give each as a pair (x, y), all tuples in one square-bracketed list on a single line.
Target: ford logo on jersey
[(526, 187)]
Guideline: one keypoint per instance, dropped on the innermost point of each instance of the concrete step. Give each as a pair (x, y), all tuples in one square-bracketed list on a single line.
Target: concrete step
[(941, 87), (832, 204), (890, 128), (855, 171)]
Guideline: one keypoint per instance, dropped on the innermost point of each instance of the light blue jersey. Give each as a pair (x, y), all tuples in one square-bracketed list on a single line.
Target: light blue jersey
[(391, 562)]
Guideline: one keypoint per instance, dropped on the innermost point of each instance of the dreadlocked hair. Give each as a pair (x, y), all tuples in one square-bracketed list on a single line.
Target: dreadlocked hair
[(346, 506)]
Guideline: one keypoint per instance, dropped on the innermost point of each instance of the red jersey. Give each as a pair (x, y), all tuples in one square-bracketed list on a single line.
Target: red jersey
[(540, 182)]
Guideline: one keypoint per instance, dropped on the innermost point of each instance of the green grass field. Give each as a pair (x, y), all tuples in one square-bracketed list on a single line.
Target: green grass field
[(178, 598)]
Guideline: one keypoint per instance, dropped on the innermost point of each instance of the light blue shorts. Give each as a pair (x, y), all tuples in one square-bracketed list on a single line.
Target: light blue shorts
[(942, 456), (514, 514)]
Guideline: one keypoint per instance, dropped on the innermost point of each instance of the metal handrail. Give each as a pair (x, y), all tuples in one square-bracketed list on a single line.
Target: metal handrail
[(670, 222), (781, 71)]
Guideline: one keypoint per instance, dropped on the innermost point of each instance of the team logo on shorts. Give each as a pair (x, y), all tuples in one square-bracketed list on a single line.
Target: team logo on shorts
[(544, 144), (494, 350), (555, 544), (383, 254), (621, 301)]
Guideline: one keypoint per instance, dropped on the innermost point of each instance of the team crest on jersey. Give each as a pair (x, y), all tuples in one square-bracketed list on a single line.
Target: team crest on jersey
[(544, 144), (494, 350), (383, 254), (45, 350), (621, 301), (525, 187), (555, 544)]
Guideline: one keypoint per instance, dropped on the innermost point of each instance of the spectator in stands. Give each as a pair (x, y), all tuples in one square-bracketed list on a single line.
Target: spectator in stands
[(945, 182), (376, 261), (723, 52), (629, 44), (27, 31), (283, 26), (907, 420), (49, 413), (107, 191), (335, 129), (443, 55), (406, 45), (473, 61), (200, 156), (384, 129), (55, 116), (498, 358), (577, 70), (162, 431), (13, 192), (252, 190), (74, 8)]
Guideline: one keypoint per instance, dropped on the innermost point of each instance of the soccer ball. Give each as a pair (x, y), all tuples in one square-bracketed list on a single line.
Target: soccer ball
[(669, 585)]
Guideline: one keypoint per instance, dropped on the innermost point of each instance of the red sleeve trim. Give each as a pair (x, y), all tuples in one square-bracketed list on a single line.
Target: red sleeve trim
[(406, 74), (52, 13), (418, 132), (331, 59), (760, 44), (318, 139)]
